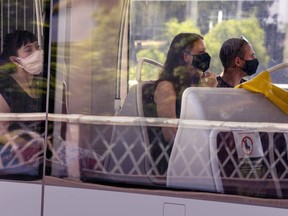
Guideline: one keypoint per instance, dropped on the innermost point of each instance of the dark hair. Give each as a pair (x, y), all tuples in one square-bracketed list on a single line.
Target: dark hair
[(14, 41), (230, 49), (175, 64)]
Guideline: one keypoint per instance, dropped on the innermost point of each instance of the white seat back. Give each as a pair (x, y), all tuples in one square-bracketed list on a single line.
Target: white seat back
[(191, 162)]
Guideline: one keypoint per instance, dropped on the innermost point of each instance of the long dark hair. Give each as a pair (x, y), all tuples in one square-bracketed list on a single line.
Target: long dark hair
[(175, 69), (12, 42)]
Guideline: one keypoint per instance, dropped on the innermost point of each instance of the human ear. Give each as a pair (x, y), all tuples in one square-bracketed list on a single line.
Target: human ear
[(237, 61), (186, 57), (12, 58), (15, 60)]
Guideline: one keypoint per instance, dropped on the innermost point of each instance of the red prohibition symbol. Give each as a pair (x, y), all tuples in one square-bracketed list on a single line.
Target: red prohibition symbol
[(247, 145)]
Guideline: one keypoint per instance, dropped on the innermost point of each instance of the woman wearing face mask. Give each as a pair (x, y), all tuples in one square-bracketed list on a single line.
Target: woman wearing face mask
[(20, 61), (186, 65), (239, 60)]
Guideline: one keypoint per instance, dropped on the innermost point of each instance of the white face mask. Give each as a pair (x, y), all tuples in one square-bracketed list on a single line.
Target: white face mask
[(33, 63)]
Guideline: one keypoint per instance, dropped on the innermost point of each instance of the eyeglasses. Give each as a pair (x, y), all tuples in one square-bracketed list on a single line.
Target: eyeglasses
[(244, 40)]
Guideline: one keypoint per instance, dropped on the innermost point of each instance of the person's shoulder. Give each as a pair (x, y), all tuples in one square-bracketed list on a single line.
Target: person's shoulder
[(165, 84), (5, 84), (221, 82), (4, 80), (164, 89)]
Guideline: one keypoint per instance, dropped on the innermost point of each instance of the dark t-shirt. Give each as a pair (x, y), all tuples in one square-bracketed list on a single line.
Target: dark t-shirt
[(20, 102), (223, 84)]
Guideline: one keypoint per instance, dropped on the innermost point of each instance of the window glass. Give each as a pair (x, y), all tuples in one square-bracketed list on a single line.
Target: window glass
[(103, 116), (23, 69), (155, 23), (84, 74)]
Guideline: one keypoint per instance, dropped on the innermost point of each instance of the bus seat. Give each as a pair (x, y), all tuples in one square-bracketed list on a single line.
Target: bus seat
[(159, 151), (128, 152), (190, 164), (280, 156), (21, 156), (243, 162)]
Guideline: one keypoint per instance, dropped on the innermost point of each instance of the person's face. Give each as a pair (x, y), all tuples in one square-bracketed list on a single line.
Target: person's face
[(198, 47), (27, 49), (249, 53), (24, 60)]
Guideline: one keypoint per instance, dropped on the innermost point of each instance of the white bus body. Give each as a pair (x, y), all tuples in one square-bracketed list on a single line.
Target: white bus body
[(94, 154)]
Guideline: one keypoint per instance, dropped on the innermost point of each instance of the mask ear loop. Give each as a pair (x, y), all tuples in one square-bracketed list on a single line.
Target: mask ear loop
[(15, 60)]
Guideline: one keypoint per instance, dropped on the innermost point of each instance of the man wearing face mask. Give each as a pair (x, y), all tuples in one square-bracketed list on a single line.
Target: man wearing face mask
[(20, 61), (239, 60)]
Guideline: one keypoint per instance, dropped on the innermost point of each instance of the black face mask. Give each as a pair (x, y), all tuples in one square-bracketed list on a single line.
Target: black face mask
[(251, 66), (201, 61)]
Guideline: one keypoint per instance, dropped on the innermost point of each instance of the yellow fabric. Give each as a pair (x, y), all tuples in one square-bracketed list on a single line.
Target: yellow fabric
[(262, 84)]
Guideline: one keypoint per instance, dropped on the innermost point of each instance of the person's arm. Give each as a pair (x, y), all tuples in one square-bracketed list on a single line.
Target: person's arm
[(4, 108), (165, 99)]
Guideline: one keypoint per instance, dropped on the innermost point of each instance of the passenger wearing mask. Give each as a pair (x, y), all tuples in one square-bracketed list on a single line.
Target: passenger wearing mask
[(21, 144), (20, 62), (239, 60), (186, 66)]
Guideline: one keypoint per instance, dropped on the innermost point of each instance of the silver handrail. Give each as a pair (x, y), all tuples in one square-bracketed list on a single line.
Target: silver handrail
[(277, 67), (136, 121), (140, 64)]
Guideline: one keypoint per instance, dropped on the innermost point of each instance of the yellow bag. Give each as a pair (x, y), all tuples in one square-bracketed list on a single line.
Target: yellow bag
[(262, 84)]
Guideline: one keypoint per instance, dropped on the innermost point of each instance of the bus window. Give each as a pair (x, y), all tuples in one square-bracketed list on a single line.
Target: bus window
[(89, 120), (262, 22), (85, 58), (23, 68), (109, 67)]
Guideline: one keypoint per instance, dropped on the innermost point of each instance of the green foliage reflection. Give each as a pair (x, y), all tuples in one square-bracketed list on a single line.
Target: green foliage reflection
[(248, 27)]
